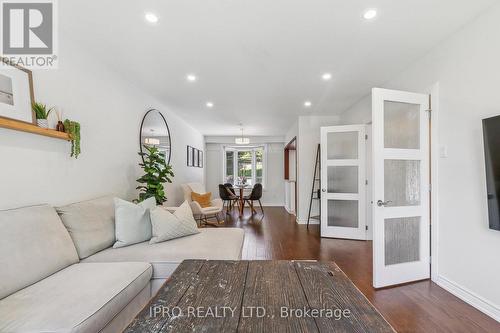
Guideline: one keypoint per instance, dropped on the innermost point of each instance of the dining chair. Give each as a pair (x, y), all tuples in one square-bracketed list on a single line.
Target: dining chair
[(230, 187), (228, 197), (255, 195)]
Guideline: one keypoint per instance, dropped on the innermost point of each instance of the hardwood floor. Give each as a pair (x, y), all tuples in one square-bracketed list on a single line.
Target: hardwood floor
[(416, 307)]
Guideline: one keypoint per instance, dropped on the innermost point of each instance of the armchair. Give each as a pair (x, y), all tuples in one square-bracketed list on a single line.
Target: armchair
[(202, 214)]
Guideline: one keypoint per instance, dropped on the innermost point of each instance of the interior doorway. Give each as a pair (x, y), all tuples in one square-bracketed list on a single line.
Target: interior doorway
[(343, 182), (391, 158), (290, 172), (401, 187)]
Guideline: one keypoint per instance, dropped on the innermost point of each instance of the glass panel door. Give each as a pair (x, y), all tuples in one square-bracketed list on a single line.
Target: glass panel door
[(343, 205), (401, 187)]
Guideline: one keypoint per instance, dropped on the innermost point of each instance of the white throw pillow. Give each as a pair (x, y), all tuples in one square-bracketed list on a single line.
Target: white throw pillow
[(168, 226), (132, 222)]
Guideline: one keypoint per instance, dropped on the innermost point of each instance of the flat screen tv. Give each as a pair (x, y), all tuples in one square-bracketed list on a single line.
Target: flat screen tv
[(491, 133)]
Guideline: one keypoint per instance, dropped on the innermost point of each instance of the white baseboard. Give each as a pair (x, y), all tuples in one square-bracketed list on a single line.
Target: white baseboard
[(304, 221), (289, 211), (469, 297), (271, 204)]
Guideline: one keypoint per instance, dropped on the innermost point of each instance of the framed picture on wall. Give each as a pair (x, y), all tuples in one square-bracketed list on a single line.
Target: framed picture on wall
[(189, 156), (195, 157), (16, 92), (200, 159)]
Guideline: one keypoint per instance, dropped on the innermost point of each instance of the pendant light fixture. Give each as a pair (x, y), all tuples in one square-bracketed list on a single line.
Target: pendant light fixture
[(242, 140), (152, 141)]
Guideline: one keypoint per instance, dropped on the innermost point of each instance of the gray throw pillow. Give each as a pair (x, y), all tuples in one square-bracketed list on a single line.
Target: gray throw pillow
[(132, 222), (168, 226), (91, 224)]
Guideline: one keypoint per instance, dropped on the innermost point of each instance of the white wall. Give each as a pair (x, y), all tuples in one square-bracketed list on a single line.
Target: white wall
[(274, 194), (467, 68), (213, 167), (308, 140), (359, 113), (293, 132), (38, 169)]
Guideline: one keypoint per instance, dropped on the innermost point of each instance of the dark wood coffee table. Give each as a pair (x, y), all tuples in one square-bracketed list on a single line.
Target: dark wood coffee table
[(259, 296)]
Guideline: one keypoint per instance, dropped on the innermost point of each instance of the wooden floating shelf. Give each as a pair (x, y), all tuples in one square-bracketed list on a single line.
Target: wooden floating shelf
[(31, 128)]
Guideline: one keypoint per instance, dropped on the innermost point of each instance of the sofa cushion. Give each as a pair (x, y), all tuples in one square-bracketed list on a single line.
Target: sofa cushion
[(33, 245), (216, 244), (132, 222), (79, 298), (167, 226), (91, 224), (203, 199)]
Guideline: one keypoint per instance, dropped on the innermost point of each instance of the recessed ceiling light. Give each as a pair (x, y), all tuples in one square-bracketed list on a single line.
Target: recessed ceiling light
[(191, 77), (209, 105), (370, 14), (326, 76), (307, 104), (150, 17)]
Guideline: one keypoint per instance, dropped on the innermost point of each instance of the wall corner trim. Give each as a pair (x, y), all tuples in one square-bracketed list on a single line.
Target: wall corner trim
[(469, 297)]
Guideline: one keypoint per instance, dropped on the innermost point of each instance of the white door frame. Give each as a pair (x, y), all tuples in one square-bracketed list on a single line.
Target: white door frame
[(386, 275), (360, 162), (434, 93)]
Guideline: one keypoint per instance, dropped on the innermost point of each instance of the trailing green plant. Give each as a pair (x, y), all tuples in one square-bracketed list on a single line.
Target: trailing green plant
[(73, 129), (41, 111), (157, 172)]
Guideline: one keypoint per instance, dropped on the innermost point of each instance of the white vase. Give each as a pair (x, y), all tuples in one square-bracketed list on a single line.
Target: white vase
[(42, 123)]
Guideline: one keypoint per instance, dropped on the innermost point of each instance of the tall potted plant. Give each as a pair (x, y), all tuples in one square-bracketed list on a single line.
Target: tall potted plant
[(157, 172), (41, 113)]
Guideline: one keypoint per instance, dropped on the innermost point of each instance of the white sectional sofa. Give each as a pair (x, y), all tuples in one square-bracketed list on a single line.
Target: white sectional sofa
[(59, 273)]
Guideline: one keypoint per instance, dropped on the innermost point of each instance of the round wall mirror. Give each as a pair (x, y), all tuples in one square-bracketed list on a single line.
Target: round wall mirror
[(155, 132)]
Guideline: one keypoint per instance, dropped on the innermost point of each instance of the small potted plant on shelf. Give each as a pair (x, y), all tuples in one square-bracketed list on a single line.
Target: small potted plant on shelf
[(41, 113)]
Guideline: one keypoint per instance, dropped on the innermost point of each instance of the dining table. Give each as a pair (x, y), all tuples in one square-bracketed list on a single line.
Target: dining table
[(242, 188)]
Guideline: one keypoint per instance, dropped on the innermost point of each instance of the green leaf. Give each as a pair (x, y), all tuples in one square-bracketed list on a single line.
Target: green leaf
[(156, 174)]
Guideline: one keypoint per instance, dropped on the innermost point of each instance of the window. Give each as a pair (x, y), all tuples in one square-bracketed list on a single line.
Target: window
[(244, 164), (259, 166), (229, 172)]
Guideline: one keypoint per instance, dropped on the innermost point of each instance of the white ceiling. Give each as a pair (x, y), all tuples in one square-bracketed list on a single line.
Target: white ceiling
[(259, 60)]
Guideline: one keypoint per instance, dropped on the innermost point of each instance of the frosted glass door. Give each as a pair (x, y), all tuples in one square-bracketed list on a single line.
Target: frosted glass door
[(401, 187), (343, 205)]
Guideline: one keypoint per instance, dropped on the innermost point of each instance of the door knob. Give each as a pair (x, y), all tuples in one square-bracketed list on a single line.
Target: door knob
[(323, 190), (381, 203)]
